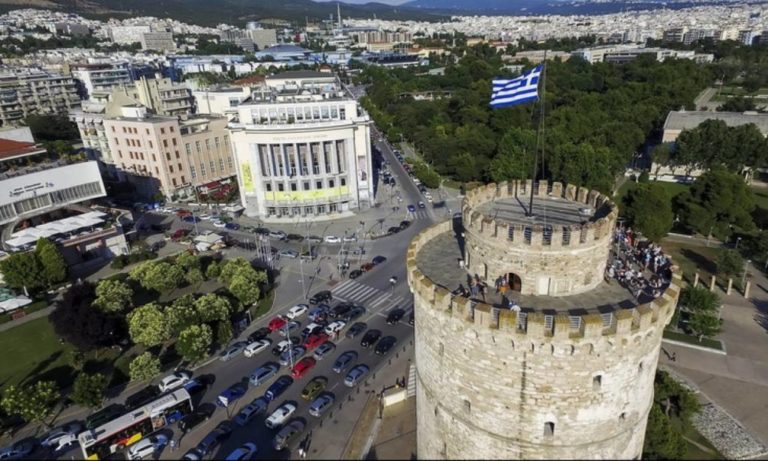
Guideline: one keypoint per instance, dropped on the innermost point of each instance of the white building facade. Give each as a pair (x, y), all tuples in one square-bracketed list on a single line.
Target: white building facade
[(303, 150)]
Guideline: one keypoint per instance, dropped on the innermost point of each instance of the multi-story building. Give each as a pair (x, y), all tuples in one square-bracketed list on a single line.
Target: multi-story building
[(220, 100), (98, 80), (262, 38), (675, 35), (162, 96), (168, 155), (746, 36), (303, 149), (127, 35), (157, 41), (25, 92)]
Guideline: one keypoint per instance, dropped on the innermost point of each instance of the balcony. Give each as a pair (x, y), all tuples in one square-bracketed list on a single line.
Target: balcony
[(319, 201)]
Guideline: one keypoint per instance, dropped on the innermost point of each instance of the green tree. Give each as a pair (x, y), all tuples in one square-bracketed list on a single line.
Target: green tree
[(23, 270), (649, 209), (514, 159), (232, 267), (703, 308), (89, 389), (729, 262), (182, 314), (193, 276), (245, 288), (159, 276), (194, 342), (662, 440), (212, 307), (31, 402), (223, 332), (661, 155), (148, 325), (113, 296), (213, 270), (187, 260), (737, 104), (144, 367), (54, 266)]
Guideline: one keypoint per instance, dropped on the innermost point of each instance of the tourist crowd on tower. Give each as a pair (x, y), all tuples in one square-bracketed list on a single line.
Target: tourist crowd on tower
[(638, 265)]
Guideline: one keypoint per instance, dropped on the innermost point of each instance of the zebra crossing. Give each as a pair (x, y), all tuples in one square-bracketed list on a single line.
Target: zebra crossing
[(412, 381), (420, 213), (367, 296)]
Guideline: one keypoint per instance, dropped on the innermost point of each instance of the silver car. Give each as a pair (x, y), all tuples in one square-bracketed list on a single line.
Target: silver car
[(232, 351), (320, 404), (287, 434)]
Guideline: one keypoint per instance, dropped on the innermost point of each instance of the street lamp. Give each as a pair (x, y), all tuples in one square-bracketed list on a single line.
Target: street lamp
[(738, 239), (744, 275), (290, 343)]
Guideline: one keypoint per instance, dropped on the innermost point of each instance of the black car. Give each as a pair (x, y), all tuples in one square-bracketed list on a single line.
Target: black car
[(294, 237), (395, 316), (378, 260), (143, 396), (353, 314), (410, 319), (104, 415), (198, 385), (261, 333), (404, 224), (339, 310), (261, 230), (356, 329), (192, 420), (321, 296), (370, 338), (215, 437), (393, 230), (385, 344), (355, 274)]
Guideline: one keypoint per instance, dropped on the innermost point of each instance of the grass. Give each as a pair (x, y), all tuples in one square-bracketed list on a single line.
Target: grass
[(692, 259), (263, 306), (32, 351), (683, 338), (761, 197), (698, 446)]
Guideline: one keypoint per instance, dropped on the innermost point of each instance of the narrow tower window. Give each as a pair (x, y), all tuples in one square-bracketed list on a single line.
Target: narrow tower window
[(549, 429), (597, 381)]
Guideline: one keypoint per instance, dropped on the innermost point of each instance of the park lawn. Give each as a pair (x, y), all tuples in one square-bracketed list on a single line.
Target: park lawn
[(32, 351), (761, 197), (263, 306), (698, 446), (692, 258)]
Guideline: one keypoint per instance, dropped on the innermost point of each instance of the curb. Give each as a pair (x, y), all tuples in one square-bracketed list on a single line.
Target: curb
[(693, 346)]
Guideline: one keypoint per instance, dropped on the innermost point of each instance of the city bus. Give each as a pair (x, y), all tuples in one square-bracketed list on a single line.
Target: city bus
[(103, 441)]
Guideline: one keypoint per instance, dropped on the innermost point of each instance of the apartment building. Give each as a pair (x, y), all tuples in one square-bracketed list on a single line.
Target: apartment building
[(98, 80), (220, 100), (303, 149), (162, 96), (25, 92), (127, 35), (158, 41), (168, 155)]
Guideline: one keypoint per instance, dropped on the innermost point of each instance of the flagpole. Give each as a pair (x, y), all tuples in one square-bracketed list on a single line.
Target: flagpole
[(539, 134)]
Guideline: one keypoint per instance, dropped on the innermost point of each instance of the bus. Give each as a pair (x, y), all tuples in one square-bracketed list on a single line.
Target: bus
[(103, 441)]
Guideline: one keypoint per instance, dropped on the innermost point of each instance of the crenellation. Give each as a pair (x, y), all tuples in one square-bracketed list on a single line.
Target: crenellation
[(592, 326), (557, 189), (543, 188), (582, 195), (537, 236), (535, 327), (592, 198)]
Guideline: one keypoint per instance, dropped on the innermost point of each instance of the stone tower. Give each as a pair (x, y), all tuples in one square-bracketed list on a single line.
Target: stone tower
[(569, 376)]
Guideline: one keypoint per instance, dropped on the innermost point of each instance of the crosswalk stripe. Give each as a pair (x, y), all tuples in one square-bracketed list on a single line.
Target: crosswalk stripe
[(343, 284), (347, 288), (367, 295), (378, 301), (357, 291)]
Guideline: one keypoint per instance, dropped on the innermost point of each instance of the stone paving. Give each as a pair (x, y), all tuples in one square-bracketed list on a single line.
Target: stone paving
[(726, 434)]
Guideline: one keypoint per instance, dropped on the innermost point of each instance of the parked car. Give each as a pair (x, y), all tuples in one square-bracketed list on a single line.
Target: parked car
[(277, 323), (353, 313), (252, 410), (318, 312), (147, 446), (277, 235), (296, 311), (344, 361), (278, 387), (262, 231), (288, 328), (310, 330), (355, 274), (280, 415), (232, 351), (173, 381), (395, 315), (232, 225), (366, 267), (63, 437), (214, 438), (261, 333), (197, 386), (293, 354), (314, 387), (356, 375), (287, 434), (263, 373), (104, 415), (315, 340), (385, 344), (321, 404), (339, 310), (393, 230), (201, 414), (349, 238), (356, 329), (323, 350), (145, 395), (332, 239), (303, 367), (19, 450), (370, 338), (231, 394), (334, 327), (314, 239), (289, 254), (378, 260), (320, 297), (256, 347), (243, 453), (282, 346), (294, 237), (404, 224)]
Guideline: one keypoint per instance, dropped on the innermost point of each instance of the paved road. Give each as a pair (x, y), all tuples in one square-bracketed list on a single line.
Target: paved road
[(372, 290)]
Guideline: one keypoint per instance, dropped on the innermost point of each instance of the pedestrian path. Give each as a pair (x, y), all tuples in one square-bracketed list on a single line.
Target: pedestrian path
[(371, 298), (412, 381)]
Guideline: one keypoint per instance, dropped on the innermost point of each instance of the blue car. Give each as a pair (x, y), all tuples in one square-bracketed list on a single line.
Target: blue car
[(231, 394), (411, 208), (192, 219), (278, 387), (232, 225), (318, 312)]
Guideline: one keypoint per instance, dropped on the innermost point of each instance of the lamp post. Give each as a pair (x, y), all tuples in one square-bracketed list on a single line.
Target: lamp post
[(744, 275), (738, 239)]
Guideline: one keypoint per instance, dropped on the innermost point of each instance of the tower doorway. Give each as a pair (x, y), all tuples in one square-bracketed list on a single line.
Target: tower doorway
[(515, 283)]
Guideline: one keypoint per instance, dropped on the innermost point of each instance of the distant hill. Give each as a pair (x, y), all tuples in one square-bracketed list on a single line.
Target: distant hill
[(565, 7), (213, 12)]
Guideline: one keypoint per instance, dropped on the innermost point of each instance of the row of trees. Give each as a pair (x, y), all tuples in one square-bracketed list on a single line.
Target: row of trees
[(35, 271), (596, 117), (669, 418)]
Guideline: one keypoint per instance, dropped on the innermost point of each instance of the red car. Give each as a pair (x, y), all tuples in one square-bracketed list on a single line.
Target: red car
[(179, 234), (315, 340), (302, 367), (366, 267), (276, 323), (183, 213)]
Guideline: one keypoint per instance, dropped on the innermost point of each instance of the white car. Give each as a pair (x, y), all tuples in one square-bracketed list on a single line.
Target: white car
[(334, 327), (147, 446), (281, 415), (296, 311), (218, 223), (62, 437), (256, 347), (332, 239), (350, 238), (173, 381), (244, 453)]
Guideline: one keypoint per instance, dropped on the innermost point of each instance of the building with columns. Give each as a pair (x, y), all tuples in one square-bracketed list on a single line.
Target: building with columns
[(303, 149)]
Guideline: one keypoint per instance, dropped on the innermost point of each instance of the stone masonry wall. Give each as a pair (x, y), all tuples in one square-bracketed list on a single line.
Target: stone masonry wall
[(491, 385), (563, 260)]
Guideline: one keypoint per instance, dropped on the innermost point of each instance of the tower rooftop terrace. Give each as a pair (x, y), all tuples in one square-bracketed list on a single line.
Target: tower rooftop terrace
[(548, 210)]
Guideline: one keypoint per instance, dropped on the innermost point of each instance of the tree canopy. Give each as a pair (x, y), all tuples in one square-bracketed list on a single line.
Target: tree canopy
[(648, 207), (143, 367), (54, 266), (159, 276), (88, 389), (194, 342), (77, 321), (33, 402), (713, 144), (113, 295), (148, 325)]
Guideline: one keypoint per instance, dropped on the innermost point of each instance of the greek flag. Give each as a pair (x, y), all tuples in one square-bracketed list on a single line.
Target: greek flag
[(518, 90)]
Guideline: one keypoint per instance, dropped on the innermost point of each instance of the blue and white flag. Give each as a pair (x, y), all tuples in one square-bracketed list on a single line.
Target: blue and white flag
[(518, 90)]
